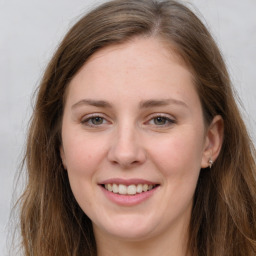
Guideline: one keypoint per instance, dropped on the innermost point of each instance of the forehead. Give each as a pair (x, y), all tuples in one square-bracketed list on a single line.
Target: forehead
[(143, 65), (147, 50)]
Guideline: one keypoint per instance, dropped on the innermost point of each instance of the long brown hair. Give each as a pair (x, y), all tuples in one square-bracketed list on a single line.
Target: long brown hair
[(223, 221)]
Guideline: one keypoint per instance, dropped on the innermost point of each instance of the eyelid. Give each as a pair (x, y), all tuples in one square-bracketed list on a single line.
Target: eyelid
[(171, 120), (86, 118)]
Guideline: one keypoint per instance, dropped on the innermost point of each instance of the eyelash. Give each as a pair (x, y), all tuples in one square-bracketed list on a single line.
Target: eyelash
[(168, 121), (88, 121)]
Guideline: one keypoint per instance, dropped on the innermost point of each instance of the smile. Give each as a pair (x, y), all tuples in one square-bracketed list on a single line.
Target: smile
[(130, 189)]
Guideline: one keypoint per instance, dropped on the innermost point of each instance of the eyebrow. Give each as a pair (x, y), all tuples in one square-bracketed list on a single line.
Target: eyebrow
[(160, 103), (95, 103), (143, 104)]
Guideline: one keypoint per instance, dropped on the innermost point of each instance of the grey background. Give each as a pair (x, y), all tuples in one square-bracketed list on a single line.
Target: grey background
[(31, 30)]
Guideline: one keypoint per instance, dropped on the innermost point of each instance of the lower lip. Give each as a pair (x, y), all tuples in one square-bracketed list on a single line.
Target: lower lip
[(129, 200)]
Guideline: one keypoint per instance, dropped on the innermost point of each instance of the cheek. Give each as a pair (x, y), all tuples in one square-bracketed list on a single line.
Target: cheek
[(179, 154), (83, 157)]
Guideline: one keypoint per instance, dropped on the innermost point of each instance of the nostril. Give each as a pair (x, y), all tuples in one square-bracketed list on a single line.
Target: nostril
[(126, 164)]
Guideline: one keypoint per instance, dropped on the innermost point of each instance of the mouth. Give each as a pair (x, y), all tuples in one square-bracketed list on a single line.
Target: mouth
[(130, 190)]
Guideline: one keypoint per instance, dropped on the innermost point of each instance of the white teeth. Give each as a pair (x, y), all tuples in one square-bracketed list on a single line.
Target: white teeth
[(145, 187), (128, 190), (115, 188), (122, 189), (109, 187), (139, 188), (131, 190)]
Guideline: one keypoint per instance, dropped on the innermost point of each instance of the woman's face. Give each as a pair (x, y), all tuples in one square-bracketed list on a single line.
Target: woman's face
[(134, 140)]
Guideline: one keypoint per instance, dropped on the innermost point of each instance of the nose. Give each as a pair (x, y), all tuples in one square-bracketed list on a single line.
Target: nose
[(126, 148)]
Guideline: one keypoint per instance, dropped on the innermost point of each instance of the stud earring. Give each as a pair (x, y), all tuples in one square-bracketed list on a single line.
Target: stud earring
[(210, 163)]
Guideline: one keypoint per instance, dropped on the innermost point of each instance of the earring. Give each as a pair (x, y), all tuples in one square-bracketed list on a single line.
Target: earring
[(210, 163)]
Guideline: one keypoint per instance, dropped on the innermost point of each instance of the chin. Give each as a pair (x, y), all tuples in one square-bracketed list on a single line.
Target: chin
[(129, 229)]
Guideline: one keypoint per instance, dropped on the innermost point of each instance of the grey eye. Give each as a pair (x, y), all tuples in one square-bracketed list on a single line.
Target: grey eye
[(97, 120), (160, 120)]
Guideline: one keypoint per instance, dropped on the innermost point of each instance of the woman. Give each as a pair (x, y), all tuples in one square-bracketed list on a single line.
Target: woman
[(136, 145)]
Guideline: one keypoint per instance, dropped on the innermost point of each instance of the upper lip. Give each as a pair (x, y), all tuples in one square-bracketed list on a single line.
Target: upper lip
[(127, 182)]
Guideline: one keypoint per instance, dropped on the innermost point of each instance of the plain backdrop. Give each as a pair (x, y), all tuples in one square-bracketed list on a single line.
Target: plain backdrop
[(30, 31)]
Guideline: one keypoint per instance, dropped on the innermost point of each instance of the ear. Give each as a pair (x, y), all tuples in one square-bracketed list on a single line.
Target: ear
[(213, 141), (63, 157)]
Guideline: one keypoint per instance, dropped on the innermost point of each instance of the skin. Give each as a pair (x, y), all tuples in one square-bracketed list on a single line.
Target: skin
[(128, 141)]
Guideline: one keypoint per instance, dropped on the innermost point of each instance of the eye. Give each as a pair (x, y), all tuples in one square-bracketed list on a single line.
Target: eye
[(161, 120), (93, 121), (97, 120)]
